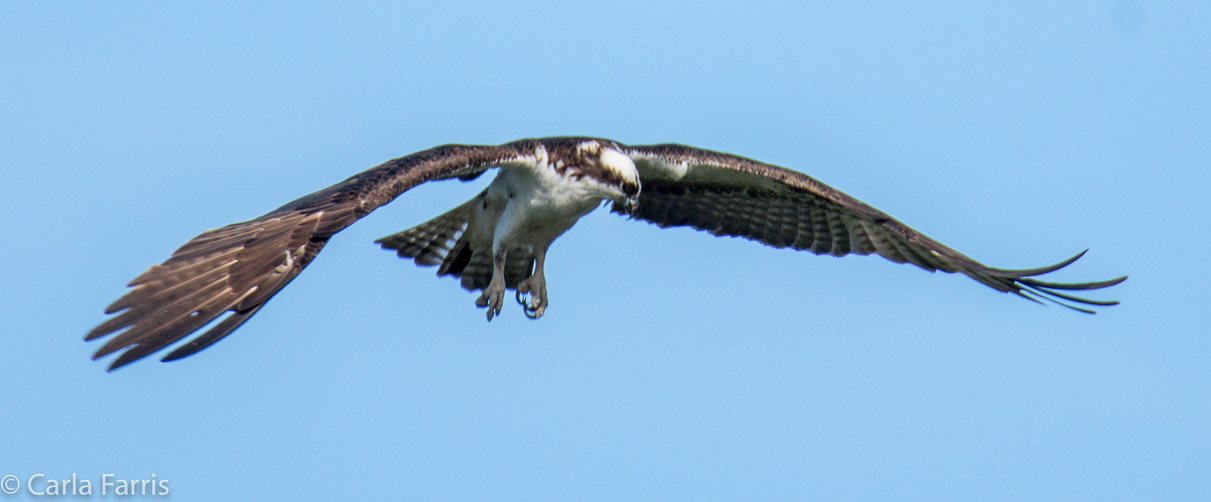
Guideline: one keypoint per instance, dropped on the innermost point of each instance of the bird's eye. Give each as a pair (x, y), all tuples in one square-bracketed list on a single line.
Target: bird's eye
[(630, 188)]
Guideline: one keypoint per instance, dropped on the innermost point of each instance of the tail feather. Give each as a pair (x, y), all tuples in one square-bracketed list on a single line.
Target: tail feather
[(457, 260), (478, 272), (443, 242), (519, 265), (429, 243)]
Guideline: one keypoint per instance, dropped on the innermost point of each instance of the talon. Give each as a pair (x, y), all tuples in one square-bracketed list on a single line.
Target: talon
[(532, 295), (532, 312), (493, 299)]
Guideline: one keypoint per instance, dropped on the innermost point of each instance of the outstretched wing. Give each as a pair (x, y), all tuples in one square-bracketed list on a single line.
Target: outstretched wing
[(728, 195), (237, 268)]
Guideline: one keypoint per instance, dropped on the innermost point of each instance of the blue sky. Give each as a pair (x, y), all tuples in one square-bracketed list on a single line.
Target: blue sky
[(671, 365)]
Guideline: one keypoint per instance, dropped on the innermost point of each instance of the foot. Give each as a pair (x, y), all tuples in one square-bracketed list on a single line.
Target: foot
[(493, 298), (534, 291)]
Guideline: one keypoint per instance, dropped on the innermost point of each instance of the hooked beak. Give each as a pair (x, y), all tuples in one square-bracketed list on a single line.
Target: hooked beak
[(629, 205)]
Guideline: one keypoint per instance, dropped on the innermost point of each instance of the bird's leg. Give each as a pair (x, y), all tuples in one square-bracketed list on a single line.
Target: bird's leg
[(536, 287), (494, 295)]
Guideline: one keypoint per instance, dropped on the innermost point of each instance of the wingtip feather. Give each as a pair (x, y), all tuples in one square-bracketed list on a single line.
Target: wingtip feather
[(1022, 283), (1031, 272)]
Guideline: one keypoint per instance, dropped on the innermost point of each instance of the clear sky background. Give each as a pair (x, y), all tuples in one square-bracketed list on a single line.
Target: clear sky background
[(671, 365)]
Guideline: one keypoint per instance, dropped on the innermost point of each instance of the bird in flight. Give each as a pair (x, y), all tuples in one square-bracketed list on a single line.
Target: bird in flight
[(498, 240)]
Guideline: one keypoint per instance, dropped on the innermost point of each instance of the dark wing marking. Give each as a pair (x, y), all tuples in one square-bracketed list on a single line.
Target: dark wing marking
[(239, 267), (728, 195)]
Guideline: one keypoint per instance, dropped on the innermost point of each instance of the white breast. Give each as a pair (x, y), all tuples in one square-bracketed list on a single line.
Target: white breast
[(539, 203)]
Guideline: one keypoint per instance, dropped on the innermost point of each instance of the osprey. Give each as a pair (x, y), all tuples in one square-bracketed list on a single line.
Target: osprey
[(498, 240)]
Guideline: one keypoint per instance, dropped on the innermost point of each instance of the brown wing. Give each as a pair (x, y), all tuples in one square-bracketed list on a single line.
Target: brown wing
[(237, 268), (728, 195)]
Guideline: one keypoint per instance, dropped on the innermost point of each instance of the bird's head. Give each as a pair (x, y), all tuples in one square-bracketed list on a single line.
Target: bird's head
[(623, 178), (602, 170)]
